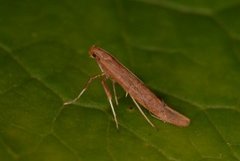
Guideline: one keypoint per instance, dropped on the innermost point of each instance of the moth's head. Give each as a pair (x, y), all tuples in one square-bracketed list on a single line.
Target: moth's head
[(98, 53), (93, 52)]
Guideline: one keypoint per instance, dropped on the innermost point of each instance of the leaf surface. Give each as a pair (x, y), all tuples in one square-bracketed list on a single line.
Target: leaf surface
[(187, 52)]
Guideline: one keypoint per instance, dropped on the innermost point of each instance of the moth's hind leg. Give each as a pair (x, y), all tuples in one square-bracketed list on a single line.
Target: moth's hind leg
[(141, 111)]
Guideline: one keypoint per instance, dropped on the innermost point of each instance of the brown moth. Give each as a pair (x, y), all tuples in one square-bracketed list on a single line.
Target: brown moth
[(112, 69)]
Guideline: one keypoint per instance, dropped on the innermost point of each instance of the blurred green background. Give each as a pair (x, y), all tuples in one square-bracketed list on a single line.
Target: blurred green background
[(186, 51)]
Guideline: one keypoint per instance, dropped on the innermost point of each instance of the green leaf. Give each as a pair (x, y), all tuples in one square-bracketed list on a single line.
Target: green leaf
[(187, 52)]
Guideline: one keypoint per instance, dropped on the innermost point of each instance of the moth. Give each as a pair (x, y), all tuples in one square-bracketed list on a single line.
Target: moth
[(112, 69)]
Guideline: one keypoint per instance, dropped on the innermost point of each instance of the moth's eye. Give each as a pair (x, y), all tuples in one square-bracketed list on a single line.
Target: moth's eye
[(94, 55)]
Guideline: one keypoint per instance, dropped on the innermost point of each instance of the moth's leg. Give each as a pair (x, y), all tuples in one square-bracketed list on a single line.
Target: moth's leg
[(84, 88), (139, 108), (126, 94), (114, 92), (109, 96)]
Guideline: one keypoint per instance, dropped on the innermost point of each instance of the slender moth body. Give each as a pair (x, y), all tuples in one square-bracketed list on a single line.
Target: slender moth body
[(111, 68), (114, 70)]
